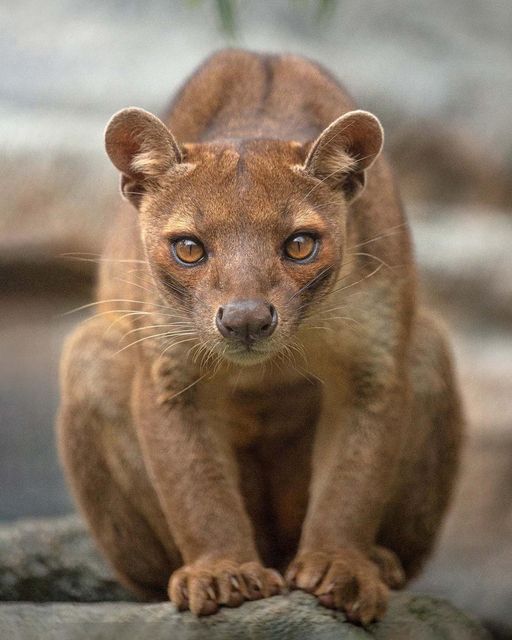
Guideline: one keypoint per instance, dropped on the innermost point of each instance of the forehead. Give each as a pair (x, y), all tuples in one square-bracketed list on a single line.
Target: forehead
[(242, 184)]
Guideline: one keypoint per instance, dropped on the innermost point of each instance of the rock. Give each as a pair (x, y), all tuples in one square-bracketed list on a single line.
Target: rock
[(54, 560), (294, 617)]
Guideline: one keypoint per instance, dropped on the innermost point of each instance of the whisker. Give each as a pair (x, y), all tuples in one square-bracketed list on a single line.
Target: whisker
[(116, 311), (80, 257), (196, 350), (370, 255), (220, 358), (210, 355), (175, 344), (307, 375), (107, 301), (120, 318), (320, 313), (186, 388), (311, 282), (172, 325), (353, 284), (135, 284), (320, 328), (157, 335), (389, 232), (299, 349)]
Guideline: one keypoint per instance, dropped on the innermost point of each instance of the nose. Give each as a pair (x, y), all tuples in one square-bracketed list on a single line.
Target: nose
[(247, 320)]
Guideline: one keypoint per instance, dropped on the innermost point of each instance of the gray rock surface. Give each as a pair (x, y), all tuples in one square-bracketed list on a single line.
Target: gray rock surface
[(54, 560), (294, 617)]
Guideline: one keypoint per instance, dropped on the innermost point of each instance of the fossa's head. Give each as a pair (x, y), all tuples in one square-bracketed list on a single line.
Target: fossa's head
[(244, 236)]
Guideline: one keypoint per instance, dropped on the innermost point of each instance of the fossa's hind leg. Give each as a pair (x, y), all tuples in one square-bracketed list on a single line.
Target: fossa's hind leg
[(99, 452), (431, 455)]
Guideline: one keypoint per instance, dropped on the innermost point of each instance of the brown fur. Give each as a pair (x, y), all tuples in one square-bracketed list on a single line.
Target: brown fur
[(334, 447)]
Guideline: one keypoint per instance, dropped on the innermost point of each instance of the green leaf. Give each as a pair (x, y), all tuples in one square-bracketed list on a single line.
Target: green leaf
[(326, 8), (226, 11)]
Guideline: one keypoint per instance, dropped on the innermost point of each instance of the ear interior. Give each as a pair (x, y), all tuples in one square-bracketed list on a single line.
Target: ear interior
[(343, 151), (141, 147)]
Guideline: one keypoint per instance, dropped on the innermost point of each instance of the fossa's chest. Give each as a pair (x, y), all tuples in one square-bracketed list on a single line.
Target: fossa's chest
[(256, 415)]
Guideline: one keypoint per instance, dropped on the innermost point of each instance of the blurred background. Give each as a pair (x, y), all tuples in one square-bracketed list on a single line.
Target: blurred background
[(439, 76)]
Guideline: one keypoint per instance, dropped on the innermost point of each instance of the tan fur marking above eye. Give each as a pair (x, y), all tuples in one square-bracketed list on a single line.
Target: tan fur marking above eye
[(308, 218), (181, 225)]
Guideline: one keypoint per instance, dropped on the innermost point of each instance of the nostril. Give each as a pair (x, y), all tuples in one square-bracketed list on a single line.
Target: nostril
[(268, 328), (220, 322)]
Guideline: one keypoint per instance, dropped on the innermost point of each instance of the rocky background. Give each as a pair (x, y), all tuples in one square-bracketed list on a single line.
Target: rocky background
[(438, 74)]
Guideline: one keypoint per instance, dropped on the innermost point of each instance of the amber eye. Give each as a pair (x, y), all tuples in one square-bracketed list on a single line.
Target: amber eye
[(300, 246), (188, 250)]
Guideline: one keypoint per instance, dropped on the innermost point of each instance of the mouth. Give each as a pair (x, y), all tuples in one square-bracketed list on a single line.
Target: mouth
[(247, 355)]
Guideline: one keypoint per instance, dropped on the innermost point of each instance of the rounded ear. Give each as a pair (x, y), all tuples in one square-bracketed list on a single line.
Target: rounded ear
[(343, 151), (141, 147)]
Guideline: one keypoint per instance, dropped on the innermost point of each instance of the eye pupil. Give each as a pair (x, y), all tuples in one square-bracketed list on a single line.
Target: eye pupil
[(300, 247), (188, 250)]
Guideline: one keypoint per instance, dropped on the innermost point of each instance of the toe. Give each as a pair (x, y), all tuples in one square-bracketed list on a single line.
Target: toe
[(312, 572), (275, 582), (390, 567), (202, 594), (253, 576), (340, 582), (178, 591), (371, 602), (229, 587), (291, 574)]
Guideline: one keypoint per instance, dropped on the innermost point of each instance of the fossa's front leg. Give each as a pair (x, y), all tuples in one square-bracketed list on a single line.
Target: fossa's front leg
[(354, 463), (195, 476)]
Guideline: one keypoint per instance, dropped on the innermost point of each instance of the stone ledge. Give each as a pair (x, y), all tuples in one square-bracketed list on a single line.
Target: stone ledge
[(53, 565), (295, 617)]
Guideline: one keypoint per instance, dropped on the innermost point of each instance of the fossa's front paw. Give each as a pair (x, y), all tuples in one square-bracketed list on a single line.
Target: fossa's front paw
[(202, 588), (345, 580)]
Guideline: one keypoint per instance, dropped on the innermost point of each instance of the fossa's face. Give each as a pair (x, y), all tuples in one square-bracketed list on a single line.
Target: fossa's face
[(242, 239), (244, 242)]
